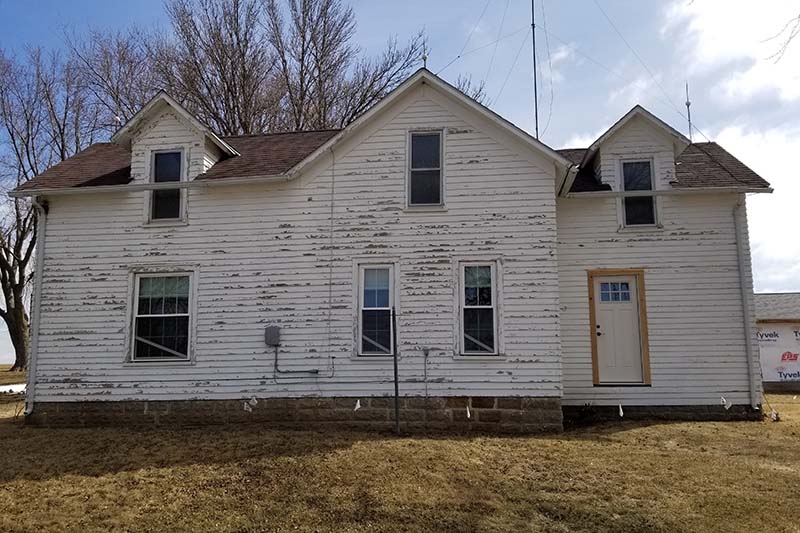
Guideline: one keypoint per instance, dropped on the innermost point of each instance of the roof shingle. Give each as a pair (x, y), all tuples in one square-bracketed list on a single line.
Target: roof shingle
[(99, 164), (268, 154), (778, 306)]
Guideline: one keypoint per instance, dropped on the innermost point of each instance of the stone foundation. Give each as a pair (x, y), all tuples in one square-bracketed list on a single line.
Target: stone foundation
[(486, 414), (579, 415)]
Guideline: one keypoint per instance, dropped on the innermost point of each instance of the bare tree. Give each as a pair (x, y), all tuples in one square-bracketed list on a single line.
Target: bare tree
[(45, 119), (476, 91), (787, 34), (326, 80), (116, 73), (219, 63)]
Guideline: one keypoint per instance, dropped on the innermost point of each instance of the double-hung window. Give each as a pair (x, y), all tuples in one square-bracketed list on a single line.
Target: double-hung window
[(162, 313), (165, 204), (425, 169), (478, 309), (638, 210), (376, 305)]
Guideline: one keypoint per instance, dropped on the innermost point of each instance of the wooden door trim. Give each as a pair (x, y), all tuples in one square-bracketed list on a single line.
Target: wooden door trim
[(638, 274)]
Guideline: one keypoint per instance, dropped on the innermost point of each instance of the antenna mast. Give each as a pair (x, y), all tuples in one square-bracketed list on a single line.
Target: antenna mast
[(535, 80), (689, 111)]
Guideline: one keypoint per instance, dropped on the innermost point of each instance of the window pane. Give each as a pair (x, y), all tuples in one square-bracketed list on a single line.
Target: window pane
[(425, 150), (162, 337), (479, 330), (376, 287), (478, 285), (166, 204), (376, 332), (637, 176), (425, 187), (605, 296), (167, 167), (639, 210)]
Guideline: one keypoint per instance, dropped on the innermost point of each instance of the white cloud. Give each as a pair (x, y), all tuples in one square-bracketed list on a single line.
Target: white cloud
[(773, 218), (583, 140), (712, 34)]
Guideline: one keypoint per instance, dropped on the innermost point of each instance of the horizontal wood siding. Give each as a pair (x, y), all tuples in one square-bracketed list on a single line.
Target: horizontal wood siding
[(266, 253), (694, 307)]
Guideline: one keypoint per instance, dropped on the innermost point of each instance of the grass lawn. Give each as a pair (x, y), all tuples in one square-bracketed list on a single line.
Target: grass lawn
[(11, 378), (742, 476)]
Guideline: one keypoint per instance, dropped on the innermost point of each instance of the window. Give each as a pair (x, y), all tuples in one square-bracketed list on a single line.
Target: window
[(425, 173), (638, 210), (615, 292), (166, 203), (376, 304), (161, 317), (478, 310)]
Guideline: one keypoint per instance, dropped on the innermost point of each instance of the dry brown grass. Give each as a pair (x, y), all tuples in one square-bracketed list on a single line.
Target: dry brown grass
[(624, 477), (11, 378)]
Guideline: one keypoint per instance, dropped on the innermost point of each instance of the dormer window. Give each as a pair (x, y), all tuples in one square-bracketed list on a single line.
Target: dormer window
[(425, 169), (166, 203), (638, 210)]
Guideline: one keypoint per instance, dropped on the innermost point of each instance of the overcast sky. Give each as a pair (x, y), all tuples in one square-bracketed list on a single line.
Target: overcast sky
[(741, 96)]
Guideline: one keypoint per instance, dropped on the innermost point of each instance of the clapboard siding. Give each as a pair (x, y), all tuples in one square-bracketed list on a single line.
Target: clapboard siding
[(694, 306), (272, 253)]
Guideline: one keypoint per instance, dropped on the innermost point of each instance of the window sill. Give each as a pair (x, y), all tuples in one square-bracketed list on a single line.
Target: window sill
[(171, 223), (626, 385), (159, 363), (657, 228), (481, 358), (373, 358), (425, 209)]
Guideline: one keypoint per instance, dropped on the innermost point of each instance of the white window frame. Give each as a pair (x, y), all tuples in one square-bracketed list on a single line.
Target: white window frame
[(621, 201), (392, 308), (148, 208), (462, 267), (136, 276), (409, 144)]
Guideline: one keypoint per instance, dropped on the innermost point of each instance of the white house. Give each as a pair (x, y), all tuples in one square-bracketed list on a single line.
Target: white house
[(275, 277), (778, 318)]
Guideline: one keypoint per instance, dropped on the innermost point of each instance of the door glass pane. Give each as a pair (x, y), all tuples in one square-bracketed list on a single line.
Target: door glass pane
[(425, 150), (425, 187), (639, 210), (479, 330), (637, 176)]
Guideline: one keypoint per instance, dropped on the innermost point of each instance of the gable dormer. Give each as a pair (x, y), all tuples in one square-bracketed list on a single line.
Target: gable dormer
[(168, 146)]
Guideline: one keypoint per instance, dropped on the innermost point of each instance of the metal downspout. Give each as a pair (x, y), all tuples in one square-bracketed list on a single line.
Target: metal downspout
[(747, 292), (36, 308)]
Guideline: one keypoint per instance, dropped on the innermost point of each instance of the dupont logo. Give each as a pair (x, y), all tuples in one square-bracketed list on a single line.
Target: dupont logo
[(789, 356)]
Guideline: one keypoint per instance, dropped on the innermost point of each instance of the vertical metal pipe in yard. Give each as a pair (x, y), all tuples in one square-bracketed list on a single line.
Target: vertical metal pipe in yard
[(396, 378)]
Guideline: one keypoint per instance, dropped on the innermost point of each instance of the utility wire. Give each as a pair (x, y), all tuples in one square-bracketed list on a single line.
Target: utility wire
[(475, 27), (497, 43), (511, 70), (646, 68), (481, 47), (550, 68)]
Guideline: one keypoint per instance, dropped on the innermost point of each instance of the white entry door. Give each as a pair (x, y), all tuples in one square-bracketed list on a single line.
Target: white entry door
[(617, 330)]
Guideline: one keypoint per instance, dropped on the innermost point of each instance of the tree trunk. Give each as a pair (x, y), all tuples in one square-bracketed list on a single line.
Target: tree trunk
[(19, 331)]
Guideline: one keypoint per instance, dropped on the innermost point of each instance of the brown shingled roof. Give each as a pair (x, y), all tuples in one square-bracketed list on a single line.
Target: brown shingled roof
[(710, 165), (778, 306), (700, 165), (100, 164), (268, 154)]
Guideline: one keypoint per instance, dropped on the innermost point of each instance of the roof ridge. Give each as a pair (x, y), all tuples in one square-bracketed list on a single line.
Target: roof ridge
[(271, 133)]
